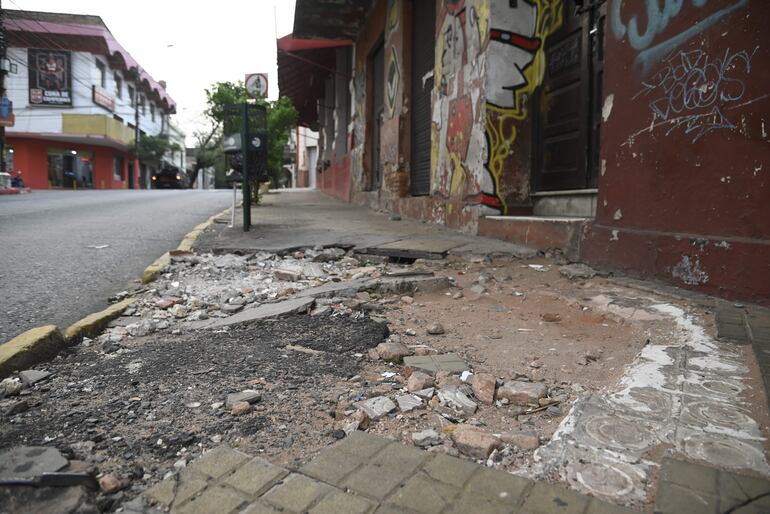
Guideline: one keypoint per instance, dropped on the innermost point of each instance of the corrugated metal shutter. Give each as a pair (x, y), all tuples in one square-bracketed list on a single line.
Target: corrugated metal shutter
[(423, 51)]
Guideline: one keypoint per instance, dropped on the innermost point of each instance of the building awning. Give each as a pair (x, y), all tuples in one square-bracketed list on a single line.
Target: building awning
[(329, 19), (303, 66)]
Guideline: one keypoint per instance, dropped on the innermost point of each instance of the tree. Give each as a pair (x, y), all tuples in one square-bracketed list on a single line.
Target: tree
[(151, 149), (281, 118)]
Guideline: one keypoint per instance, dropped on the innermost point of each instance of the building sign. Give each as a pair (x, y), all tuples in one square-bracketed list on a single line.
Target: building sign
[(256, 84), (50, 77), (7, 118), (103, 99)]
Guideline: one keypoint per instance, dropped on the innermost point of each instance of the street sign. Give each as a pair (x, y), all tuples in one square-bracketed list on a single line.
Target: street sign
[(256, 84)]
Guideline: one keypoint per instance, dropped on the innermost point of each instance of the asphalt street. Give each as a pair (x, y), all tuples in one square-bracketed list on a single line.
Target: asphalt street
[(54, 265)]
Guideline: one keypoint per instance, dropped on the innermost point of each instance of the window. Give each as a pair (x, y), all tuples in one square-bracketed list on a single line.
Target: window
[(102, 73), (118, 86), (143, 104), (131, 96), (117, 168), (152, 111)]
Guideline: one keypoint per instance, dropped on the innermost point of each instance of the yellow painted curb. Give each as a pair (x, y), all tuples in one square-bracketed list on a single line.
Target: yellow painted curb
[(156, 268), (93, 324), (30, 348)]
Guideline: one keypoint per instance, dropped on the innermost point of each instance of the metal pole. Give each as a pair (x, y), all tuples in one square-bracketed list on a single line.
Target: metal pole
[(137, 134), (4, 43), (246, 181)]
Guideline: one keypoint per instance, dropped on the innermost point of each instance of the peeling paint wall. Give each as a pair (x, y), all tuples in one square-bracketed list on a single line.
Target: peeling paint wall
[(685, 147)]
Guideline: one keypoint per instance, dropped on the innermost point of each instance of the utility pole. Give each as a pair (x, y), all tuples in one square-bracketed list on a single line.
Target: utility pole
[(246, 184)]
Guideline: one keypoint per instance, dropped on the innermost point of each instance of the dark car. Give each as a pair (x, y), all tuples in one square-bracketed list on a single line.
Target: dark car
[(170, 177)]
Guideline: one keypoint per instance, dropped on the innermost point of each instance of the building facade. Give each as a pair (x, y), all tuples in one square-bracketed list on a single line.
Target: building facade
[(630, 135), (78, 97)]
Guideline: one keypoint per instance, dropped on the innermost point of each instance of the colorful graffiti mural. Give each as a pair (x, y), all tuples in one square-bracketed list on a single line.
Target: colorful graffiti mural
[(655, 17), (516, 64), (392, 81)]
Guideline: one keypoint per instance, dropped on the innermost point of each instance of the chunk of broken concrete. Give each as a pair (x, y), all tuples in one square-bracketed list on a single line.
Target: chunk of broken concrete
[(475, 442), (523, 439), (522, 393), (30, 461), (425, 394), (32, 376), (288, 273), (408, 402), (392, 352), (425, 438), (418, 381), (455, 403), (484, 386), (376, 407), (248, 396), (577, 271)]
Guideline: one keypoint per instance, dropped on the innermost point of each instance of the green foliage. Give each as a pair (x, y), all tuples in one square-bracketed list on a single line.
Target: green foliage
[(281, 119), (151, 149)]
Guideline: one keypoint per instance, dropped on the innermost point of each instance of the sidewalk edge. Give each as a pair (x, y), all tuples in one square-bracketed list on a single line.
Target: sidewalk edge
[(156, 268), (29, 348), (94, 323)]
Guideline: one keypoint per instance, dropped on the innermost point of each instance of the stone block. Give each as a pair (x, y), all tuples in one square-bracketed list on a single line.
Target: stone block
[(484, 386), (450, 470), (219, 461), (498, 486), (343, 503), (418, 381), (399, 457), (376, 407), (554, 499), (219, 499), (361, 445), (409, 402), (475, 442), (455, 403), (255, 477), (423, 494), (332, 465), (522, 393), (296, 493)]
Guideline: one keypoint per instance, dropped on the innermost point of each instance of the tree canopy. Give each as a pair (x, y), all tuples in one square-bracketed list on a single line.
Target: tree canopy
[(281, 118), (151, 149)]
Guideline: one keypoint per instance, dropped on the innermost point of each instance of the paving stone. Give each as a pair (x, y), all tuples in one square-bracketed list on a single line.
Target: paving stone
[(423, 494), (32, 376), (256, 476), (475, 442), (552, 499), (599, 507), (398, 456), (450, 362), (687, 474), (177, 489), (450, 470), (249, 395), (361, 445), (522, 393), (261, 508), (732, 331), (219, 461), (674, 499), (498, 486), (472, 504), (30, 461), (409, 402), (733, 485), (341, 503), (375, 480), (376, 407), (219, 499), (332, 465), (296, 493), (256, 313)]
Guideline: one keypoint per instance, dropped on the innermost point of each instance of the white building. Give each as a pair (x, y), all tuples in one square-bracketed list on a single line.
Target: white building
[(77, 97)]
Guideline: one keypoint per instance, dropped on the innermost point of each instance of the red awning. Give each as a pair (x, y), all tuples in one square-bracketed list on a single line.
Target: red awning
[(303, 66)]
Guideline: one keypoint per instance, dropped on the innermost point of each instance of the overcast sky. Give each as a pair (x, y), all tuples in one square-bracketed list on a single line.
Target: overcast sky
[(190, 45)]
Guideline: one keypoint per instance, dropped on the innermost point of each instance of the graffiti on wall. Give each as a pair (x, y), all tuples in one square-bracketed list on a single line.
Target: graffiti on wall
[(644, 23), (516, 65), (392, 81), (693, 91)]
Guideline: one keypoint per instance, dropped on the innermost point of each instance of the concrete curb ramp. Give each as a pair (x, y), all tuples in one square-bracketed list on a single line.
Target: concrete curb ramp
[(156, 268)]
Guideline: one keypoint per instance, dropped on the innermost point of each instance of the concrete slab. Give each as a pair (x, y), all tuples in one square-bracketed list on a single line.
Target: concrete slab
[(416, 248), (264, 311), (30, 461)]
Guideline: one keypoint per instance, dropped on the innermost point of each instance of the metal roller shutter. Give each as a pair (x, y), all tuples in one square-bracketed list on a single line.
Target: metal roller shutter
[(423, 51)]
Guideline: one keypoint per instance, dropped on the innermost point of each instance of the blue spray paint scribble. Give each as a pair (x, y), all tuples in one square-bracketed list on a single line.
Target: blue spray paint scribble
[(656, 21), (692, 90)]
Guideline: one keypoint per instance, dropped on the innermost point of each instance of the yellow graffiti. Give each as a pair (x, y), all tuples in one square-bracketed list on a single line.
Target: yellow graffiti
[(393, 12), (500, 122)]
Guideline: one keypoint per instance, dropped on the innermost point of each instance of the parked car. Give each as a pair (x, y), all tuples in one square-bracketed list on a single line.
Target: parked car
[(170, 177)]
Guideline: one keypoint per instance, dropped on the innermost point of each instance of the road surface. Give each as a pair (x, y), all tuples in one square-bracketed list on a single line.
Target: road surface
[(52, 270)]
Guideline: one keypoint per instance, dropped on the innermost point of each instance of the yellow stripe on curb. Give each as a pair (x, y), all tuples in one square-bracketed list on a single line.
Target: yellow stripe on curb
[(30, 348), (152, 271), (93, 324)]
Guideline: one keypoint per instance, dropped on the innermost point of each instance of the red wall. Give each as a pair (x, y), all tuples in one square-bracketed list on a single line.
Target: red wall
[(31, 157), (684, 191), (336, 180)]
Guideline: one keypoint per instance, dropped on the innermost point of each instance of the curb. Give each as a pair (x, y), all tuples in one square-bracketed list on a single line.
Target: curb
[(30, 348), (43, 343), (94, 323), (152, 271)]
